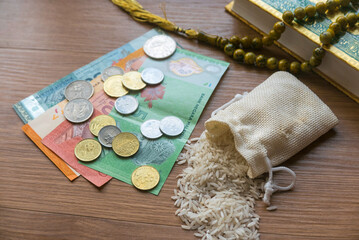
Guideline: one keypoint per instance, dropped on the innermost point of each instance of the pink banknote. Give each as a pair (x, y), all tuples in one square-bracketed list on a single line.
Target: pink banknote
[(63, 139)]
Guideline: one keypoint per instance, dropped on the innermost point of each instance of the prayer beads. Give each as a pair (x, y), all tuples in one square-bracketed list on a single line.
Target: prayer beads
[(234, 47)]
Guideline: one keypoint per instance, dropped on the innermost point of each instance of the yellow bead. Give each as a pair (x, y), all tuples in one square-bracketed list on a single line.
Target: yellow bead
[(238, 55), (288, 17), (274, 35), (319, 52), (246, 42), (257, 43), (310, 10), (223, 43), (321, 8), (352, 19), (335, 27), (272, 63), (249, 58), (326, 37), (305, 67), (261, 61), (234, 40), (229, 49), (267, 41), (283, 65), (279, 27), (331, 32), (330, 4), (299, 13), (343, 22), (314, 62), (294, 67)]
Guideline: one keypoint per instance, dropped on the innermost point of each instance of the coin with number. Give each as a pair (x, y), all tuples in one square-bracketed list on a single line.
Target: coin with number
[(126, 104), (88, 150), (132, 80), (171, 126), (79, 89), (111, 71), (145, 177), (160, 47), (151, 129), (152, 76), (107, 134), (125, 144), (78, 110), (99, 122), (113, 86)]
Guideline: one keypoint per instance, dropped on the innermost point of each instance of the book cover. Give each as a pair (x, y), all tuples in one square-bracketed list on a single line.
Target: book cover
[(345, 48)]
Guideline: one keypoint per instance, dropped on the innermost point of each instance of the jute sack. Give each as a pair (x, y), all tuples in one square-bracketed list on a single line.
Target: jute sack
[(272, 123)]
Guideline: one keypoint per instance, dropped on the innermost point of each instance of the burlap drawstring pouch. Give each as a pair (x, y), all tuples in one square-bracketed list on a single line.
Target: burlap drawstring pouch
[(273, 122), (249, 136)]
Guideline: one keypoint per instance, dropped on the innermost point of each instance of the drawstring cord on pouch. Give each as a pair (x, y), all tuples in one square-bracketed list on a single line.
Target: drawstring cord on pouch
[(236, 98), (270, 187)]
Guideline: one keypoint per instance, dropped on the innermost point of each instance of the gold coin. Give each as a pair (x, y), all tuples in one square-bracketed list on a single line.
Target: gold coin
[(145, 177), (132, 80), (88, 150), (113, 86), (125, 144), (99, 122)]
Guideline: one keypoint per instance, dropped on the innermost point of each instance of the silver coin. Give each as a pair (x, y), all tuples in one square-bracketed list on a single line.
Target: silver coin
[(78, 110), (78, 89), (160, 47), (152, 75), (171, 126), (107, 134), (151, 129), (111, 71), (126, 104)]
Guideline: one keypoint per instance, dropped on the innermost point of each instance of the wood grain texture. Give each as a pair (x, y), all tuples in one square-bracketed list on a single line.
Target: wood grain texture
[(41, 225), (44, 40)]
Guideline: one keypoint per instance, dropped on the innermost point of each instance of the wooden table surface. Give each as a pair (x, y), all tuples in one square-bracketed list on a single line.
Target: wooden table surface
[(44, 40)]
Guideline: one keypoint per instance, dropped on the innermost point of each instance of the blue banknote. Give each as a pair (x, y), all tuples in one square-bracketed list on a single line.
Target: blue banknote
[(36, 104)]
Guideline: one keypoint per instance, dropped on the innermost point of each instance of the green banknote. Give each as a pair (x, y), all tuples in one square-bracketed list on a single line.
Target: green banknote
[(189, 81)]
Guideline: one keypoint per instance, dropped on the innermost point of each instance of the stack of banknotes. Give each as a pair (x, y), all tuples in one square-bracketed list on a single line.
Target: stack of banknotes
[(189, 80)]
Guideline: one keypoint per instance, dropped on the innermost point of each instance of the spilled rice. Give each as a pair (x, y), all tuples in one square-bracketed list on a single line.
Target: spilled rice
[(214, 196)]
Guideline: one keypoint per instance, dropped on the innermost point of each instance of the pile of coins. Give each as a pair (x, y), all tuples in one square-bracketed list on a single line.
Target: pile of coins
[(124, 144), (79, 109), (118, 84), (171, 126)]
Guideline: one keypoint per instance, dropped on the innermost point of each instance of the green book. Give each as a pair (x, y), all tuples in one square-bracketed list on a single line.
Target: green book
[(340, 66)]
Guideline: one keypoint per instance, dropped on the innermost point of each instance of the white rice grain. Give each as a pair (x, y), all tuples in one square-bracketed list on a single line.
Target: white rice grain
[(214, 196)]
